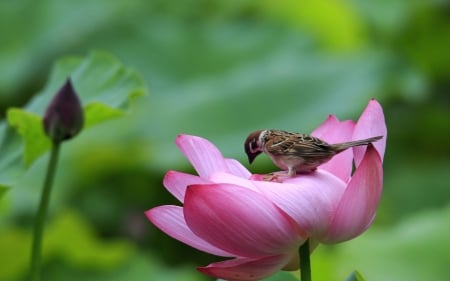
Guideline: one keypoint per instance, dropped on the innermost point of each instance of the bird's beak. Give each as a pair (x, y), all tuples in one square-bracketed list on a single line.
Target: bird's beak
[(252, 156)]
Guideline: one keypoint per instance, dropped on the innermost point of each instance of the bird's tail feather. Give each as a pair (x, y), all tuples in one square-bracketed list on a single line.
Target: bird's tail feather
[(345, 145)]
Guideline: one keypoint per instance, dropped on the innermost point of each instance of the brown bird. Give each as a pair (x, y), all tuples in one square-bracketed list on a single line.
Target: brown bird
[(295, 152)]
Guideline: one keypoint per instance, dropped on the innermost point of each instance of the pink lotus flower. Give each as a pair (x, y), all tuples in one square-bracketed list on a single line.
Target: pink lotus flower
[(261, 224)]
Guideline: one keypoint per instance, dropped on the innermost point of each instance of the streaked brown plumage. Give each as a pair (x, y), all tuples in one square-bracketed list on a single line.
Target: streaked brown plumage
[(294, 152)]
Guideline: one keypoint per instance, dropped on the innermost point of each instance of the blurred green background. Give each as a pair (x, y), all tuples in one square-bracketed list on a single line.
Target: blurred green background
[(220, 69)]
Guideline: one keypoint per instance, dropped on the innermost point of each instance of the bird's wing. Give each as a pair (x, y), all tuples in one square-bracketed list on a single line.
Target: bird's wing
[(297, 144)]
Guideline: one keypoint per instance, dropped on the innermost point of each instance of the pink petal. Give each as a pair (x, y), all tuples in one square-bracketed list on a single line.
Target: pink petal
[(340, 165), (309, 199), (327, 125), (236, 180), (170, 219), (203, 155), (359, 203), (339, 132), (236, 168), (370, 124), (245, 269), (239, 220), (177, 182)]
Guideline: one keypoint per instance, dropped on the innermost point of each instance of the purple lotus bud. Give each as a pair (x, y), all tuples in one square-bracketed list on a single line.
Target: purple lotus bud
[(63, 118)]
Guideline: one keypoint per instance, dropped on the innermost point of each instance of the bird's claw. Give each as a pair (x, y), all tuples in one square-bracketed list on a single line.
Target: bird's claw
[(271, 177)]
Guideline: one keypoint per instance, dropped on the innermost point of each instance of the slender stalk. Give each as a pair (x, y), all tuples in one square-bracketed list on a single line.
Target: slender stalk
[(42, 213), (305, 262)]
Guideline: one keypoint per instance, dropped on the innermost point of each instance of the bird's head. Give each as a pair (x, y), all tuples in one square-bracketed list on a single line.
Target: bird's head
[(253, 145)]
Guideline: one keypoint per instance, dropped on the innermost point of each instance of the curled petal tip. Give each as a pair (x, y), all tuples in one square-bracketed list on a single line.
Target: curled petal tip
[(202, 154), (370, 124), (359, 203)]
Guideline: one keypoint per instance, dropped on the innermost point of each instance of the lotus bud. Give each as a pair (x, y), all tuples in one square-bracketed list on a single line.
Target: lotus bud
[(63, 118)]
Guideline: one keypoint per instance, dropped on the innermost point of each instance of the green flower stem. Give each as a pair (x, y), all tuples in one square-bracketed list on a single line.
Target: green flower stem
[(305, 263), (42, 213)]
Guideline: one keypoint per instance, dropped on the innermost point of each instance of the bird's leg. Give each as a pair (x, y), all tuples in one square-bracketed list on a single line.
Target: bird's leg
[(292, 172)]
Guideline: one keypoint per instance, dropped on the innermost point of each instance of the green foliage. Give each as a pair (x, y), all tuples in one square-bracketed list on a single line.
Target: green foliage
[(97, 112), (138, 267), (355, 276), (105, 87), (417, 248), (336, 24), (15, 244), (418, 242), (69, 238), (29, 126), (283, 276), (2, 190), (74, 241)]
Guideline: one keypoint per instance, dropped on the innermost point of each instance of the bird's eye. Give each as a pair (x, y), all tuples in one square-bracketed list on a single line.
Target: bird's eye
[(253, 145)]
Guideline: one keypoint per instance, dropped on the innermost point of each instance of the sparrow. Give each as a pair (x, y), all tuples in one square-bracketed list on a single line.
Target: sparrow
[(295, 152)]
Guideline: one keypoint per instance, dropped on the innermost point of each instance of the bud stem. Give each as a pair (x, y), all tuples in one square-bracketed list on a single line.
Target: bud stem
[(42, 213), (305, 263)]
